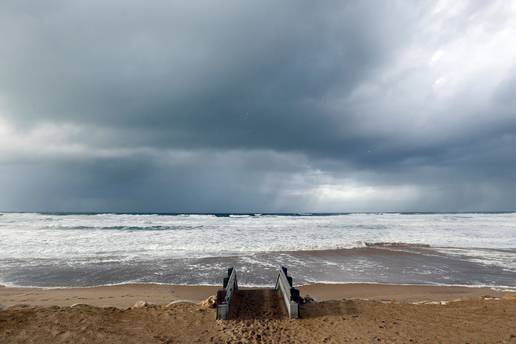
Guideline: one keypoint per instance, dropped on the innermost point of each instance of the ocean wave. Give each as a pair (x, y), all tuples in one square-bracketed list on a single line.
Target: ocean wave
[(495, 287), (396, 244), (29, 235), (122, 228)]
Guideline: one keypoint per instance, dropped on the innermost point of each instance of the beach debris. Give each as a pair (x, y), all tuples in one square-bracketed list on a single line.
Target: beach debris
[(210, 302), (426, 302), (140, 304), (19, 305), (509, 296), (75, 305), (175, 302), (307, 299), (2, 307), (490, 298)]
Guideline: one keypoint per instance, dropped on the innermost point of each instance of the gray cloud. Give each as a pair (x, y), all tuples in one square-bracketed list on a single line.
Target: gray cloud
[(257, 106)]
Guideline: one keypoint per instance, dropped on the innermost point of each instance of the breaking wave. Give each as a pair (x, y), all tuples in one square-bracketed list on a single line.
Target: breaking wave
[(395, 245), (29, 239)]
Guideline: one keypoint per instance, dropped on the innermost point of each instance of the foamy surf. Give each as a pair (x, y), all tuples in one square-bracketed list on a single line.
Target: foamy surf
[(94, 249)]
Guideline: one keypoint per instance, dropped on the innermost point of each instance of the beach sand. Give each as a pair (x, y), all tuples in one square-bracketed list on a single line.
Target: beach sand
[(346, 313)]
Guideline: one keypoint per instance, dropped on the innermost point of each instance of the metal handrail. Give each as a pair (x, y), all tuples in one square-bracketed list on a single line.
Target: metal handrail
[(230, 287), (289, 293)]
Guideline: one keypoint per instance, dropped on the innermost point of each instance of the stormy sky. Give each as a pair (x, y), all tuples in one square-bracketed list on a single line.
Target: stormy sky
[(257, 106)]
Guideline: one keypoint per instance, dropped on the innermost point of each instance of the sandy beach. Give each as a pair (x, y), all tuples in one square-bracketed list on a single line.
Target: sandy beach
[(277, 172), (342, 313)]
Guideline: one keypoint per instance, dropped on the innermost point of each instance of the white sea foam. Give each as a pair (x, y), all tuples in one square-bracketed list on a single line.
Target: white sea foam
[(122, 236)]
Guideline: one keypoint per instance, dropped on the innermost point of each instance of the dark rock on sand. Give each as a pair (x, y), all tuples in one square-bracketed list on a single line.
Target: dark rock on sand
[(307, 299)]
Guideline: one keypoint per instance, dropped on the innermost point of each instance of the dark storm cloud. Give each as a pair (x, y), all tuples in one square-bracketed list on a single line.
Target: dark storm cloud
[(264, 106), (233, 74), (203, 182)]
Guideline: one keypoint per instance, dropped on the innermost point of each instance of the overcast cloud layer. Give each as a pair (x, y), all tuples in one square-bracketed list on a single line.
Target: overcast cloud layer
[(257, 105)]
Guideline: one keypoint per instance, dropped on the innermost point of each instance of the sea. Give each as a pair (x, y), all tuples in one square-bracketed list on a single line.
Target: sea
[(75, 250)]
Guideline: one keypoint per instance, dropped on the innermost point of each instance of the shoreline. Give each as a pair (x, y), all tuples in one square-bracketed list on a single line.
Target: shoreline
[(502, 288), (126, 295)]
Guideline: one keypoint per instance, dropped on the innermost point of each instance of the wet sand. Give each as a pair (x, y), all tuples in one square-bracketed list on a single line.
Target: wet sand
[(121, 296), (392, 313), (398, 293), (126, 295)]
